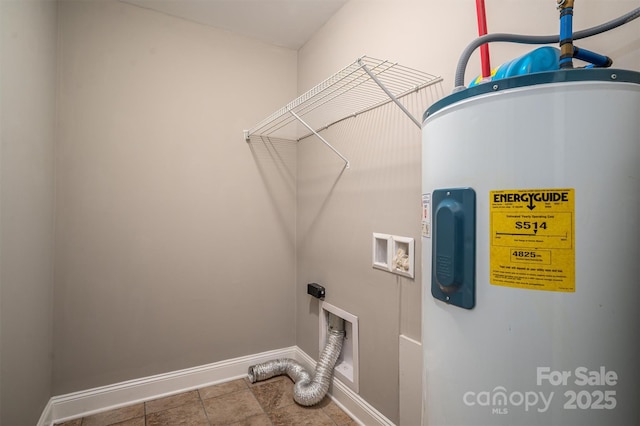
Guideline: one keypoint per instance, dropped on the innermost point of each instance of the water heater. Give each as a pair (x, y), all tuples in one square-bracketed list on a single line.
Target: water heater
[(531, 251)]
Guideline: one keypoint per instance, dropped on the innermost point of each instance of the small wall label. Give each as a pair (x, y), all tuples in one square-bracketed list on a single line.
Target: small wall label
[(426, 215)]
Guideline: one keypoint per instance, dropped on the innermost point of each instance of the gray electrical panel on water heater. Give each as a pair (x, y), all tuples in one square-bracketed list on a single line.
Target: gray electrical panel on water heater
[(454, 246)]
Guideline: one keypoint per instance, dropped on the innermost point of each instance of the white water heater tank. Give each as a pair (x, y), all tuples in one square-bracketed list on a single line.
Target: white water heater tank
[(531, 252)]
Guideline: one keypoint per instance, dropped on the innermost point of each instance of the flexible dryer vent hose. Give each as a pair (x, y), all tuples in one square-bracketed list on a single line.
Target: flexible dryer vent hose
[(307, 390)]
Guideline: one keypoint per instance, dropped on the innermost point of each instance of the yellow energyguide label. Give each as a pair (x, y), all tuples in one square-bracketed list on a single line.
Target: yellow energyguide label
[(532, 239)]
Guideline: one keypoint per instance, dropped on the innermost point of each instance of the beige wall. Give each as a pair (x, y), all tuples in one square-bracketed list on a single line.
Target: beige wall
[(27, 126), (338, 212), (175, 238), (178, 244)]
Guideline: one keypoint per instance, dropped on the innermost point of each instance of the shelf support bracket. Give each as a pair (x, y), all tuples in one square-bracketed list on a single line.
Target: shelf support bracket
[(393, 98), (297, 117)]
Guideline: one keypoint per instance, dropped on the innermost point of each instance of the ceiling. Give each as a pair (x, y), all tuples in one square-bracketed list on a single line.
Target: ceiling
[(286, 23)]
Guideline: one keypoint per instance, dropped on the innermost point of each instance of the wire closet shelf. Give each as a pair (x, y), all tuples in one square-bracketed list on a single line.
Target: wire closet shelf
[(365, 84)]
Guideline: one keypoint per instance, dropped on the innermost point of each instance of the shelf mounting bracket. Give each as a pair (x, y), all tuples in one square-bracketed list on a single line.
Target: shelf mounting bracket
[(297, 117), (388, 92)]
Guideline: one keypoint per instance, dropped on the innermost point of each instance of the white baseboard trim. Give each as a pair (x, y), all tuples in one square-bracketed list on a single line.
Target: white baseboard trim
[(83, 403), (91, 401)]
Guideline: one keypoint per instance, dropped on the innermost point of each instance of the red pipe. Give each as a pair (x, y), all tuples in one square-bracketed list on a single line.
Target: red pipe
[(482, 30)]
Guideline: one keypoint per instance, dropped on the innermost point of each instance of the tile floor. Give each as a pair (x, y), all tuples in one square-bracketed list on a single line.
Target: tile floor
[(239, 402)]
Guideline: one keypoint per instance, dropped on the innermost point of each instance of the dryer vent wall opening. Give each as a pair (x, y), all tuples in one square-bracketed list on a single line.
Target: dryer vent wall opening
[(308, 390)]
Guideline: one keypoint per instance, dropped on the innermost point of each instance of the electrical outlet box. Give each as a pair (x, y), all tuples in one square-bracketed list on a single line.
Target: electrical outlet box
[(316, 290)]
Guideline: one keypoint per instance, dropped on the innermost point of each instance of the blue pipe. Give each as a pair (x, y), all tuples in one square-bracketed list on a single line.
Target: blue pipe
[(566, 34), (598, 60)]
